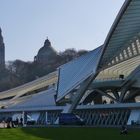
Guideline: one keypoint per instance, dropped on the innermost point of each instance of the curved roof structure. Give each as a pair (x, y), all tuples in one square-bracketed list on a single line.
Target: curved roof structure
[(122, 43), (31, 86), (124, 28)]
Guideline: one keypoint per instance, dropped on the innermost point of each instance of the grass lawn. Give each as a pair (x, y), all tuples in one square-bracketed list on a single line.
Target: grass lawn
[(67, 134)]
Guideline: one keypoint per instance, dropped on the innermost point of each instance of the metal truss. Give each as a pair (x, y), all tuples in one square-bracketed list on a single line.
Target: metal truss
[(102, 117)]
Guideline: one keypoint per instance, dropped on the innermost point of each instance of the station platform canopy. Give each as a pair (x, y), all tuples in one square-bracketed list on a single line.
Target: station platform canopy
[(124, 31), (121, 45), (121, 49), (76, 71), (42, 99)]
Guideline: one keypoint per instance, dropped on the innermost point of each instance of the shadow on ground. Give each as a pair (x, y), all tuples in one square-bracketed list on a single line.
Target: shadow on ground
[(82, 133), (60, 133)]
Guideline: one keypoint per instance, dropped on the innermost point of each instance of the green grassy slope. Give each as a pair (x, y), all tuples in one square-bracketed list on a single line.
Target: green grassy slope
[(67, 134)]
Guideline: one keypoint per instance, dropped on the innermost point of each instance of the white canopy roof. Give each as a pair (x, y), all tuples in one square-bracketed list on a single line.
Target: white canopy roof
[(76, 71), (124, 29), (42, 99)]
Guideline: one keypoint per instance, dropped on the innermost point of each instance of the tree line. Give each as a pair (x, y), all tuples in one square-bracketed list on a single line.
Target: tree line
[(19, 72)]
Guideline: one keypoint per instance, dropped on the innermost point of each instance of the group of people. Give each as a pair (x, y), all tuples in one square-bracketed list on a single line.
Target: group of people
[(10, 123)]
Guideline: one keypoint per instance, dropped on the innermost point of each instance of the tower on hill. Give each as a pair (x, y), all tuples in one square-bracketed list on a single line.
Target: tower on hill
[(2, 52)]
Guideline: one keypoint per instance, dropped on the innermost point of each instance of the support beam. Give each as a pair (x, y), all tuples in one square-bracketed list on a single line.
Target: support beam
[(83, 87), (136, 47), (127, 53), (23, 118), (132, 94), (116, 94), (105, 94), (125, 87)]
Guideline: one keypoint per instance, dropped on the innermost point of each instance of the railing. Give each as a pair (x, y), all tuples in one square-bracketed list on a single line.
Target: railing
[(108, 79)]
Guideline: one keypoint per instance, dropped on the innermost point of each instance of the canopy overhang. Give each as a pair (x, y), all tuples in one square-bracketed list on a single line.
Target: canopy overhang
[(76, 71), (124, 28)]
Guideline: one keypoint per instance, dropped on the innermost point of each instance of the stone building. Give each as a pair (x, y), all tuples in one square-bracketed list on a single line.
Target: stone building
[(2, 52), (46, 54)]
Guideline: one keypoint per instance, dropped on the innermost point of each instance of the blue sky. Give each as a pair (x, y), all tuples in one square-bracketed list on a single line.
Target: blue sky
[(79, 24)]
